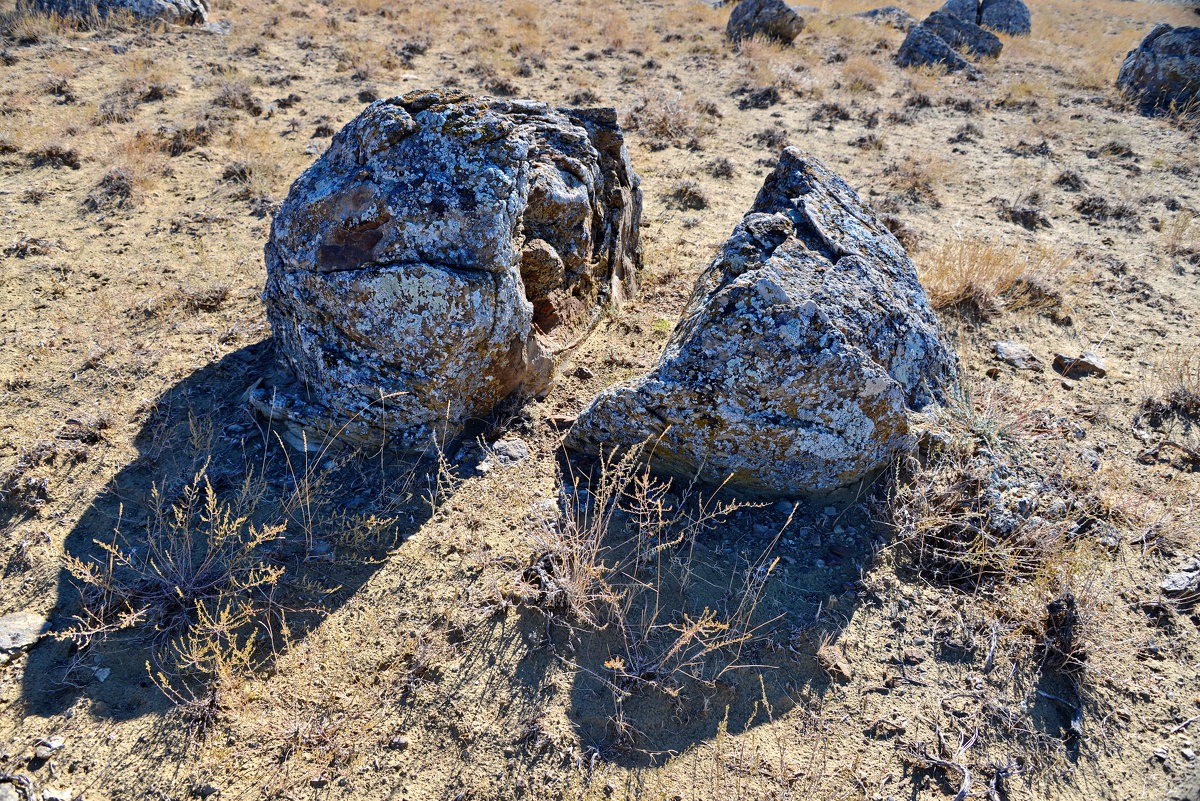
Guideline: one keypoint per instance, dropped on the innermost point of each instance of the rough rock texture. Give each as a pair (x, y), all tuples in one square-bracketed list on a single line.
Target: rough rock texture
[(1006, 16), (805, 347), (18, 632), (923, 47), (773, 19), (894, 16), (183, 11), (1163, 72), (963, 9), (411, 267), (964, 36)]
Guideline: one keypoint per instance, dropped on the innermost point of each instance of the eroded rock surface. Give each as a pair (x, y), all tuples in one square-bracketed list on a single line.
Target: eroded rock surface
[(420, 270), (806, 346), (772, 19), (192, 12), (1163, 72)]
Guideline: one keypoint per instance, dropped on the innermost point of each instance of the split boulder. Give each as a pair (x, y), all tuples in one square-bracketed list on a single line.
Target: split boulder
[(428, 264), (963, 36), (922, 47), (805, 349)]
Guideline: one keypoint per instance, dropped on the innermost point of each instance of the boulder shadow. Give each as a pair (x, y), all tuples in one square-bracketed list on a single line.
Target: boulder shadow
[(203, 427), (722, 627)]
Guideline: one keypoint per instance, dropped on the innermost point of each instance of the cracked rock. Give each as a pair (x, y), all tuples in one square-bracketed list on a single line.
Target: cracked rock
[(431, 261)]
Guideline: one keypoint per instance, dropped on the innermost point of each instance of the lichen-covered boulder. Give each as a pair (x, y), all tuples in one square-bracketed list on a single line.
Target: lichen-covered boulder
[(964, 36), (772, 19), (922, 47), (192, 12), (1163, 72), (807, 345), (1006, 16), (893, 16), (426, 266)]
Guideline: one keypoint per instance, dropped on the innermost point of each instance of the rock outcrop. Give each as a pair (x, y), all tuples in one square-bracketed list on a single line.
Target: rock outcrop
[(894, 16), (964, 36), (192, 12), (418, 269), (806, 346), (772, 19), (1163, 72), (922, 47)]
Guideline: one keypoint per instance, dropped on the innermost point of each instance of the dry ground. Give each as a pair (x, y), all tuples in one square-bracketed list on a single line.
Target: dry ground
[(405, 650)]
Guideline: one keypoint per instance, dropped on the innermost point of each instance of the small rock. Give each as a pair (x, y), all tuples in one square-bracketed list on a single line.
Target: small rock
[(583, 373), (1188, 754), (1080, 366), (102, 674), (1161, 753), (47, 746), (399, 742), (20, 630), (1182, 583), (833, 662), (9, 792), (510, 451), (57, 794), (890, 15), (784, 507), (1017, 355)]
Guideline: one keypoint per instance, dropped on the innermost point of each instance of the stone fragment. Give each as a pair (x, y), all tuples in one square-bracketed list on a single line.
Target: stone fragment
[(1089, 364), (19, 631), (431, 261), (806, 346), (1017, 355)]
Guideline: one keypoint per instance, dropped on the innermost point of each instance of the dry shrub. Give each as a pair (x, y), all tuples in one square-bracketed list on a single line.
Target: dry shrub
[(862, 74), (667, 120), (621, 559), (1170, 406), (1181, 233), (767, 64), (982, 276)]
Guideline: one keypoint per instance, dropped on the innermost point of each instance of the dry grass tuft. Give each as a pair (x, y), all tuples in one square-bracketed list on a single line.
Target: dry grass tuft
[(982, 276)]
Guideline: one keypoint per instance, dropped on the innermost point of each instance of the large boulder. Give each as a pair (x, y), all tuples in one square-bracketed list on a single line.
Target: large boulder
[(1163, 72), (182, 11), (1005, 16), (922, 48), (771, 19), (806, 347), (963, 36), (430, 262)]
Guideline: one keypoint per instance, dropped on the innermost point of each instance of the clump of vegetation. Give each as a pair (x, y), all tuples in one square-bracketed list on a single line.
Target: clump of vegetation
[(982, 276)]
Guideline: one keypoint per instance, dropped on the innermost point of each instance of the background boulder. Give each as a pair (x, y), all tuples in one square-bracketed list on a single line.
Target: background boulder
[(772, 19), (193, 12), (922, 47), (1006, 16), (806, 345), (417, 270), (1163, 72), (964, 36)]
